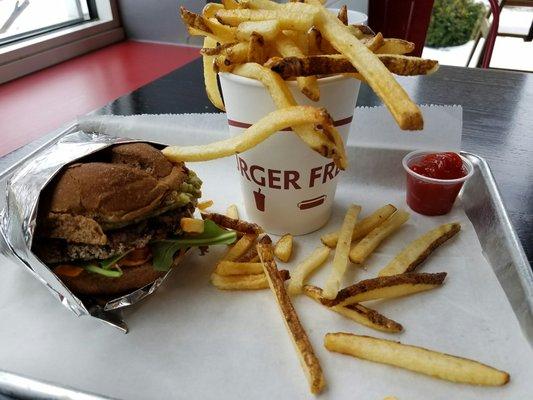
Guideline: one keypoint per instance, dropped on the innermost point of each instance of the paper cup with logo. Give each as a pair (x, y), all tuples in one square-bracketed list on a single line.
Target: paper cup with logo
[(286, 186)]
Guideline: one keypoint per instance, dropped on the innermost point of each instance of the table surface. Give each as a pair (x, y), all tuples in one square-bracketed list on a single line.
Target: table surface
[(497, 120)]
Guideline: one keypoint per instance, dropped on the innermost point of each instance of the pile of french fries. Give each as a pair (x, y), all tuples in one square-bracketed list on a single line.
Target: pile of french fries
[(302, 41), (250, 265)]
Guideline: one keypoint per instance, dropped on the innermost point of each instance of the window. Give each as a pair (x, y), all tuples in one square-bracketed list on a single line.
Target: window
[(21, 19)]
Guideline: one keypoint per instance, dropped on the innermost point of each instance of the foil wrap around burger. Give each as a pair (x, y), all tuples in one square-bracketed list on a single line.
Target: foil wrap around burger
[(18, 222)]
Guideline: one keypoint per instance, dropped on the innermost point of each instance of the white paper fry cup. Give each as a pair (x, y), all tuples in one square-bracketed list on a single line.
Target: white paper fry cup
[(286, 186)]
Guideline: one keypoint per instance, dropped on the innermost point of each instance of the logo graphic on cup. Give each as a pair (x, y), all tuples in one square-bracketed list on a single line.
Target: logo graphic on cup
[(286, 186)]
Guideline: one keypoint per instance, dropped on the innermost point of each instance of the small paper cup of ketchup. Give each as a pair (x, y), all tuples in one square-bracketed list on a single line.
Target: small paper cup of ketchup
[(429, 195)]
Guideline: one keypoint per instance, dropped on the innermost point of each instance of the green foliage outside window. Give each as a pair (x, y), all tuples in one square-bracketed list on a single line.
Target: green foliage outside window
[(454, 22)]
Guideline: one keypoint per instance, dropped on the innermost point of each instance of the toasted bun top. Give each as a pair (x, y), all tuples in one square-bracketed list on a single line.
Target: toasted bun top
[(87, 198)]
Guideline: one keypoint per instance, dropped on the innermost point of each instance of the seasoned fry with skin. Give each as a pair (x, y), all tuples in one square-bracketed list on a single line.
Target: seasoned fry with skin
[(228, 268), (386, 287), (363, 227), (362, 250), (396, 46), (308, 85), (343, 14), (194, 20), (373, 43), (232, 211), (327, 143), (340, 261), (419, 249), (283, 248), (357, 312), (210, 77), (244, 282), (235, 224), (250, 257), (256, 49), (308, 360), (260, 131), (306, 267), (290, 67), (417, 359), (240, 248)]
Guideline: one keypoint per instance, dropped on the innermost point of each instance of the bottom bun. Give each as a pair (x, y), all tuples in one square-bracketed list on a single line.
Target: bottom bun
[(133, 278)]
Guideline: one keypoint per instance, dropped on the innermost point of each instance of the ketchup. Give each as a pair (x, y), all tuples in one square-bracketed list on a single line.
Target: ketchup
[(435, 198)]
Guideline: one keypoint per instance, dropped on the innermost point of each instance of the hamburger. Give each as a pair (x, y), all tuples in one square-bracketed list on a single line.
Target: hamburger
[(110, 224)]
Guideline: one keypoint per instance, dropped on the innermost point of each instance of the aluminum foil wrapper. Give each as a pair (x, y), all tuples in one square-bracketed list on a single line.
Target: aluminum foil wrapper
[(18, 222)]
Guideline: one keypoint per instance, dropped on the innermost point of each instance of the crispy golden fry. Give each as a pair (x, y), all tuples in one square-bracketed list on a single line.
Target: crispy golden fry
[(261, 130), (343, 14), (236, 224), (239, 248), (256, 49), (192, 225), (357, 312), (364, 29), (405, 112), (231, 4), (386, 287), (373, 43), (417, 359), (327, 143), (306, 267), (308, 85), (232, 55), (232, 211), (283, 248), (244, 282), (340, 261), (204, 205), (268, 29), (224, 32), (194, 20), (210, 9), (250, 257), (395, 46), (210, 77), (261, 4), (304, 349), (362, 250), (419, 249), (226, 268), (287, 17), (289, 67), (363, 227), (314, 39)]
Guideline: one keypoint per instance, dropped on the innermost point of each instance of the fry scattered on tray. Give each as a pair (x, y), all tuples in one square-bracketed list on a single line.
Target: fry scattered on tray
[(418, 250), (357, 312), (227, 268), (340, 260), (244, 282), (235, 224), (283, 248), (304, 349), (362, 250), (386, 287), (417, 359), (363, 227), (306, 267), (241, 247)]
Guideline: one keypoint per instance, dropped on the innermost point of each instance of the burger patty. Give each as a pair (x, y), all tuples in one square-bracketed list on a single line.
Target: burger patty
[(53, 251)]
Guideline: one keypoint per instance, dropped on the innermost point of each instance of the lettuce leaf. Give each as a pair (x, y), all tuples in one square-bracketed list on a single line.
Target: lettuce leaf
[(163, 250)]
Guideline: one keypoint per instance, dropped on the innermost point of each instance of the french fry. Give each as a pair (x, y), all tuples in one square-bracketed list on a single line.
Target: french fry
[(244, 282), (283, 248), (223, 32), (314, 40), (210, 77), (417, 359), (362, 250), (250, 257), (256, 49), (328, 143), (230, 4), (395, 46), (357, 313), (194, 20), (232, 211), (343, 14), (236, 224), (340, 261), (287, 17), (373, 43), (363, 227), (192, 225), (260, 131), (217, 48), (290, 67), (210, 9), (306, 267), (308, 85), (239, 248), (204, 205), (386, 287), (308, 360), (260, 4), (227, 268), (405, 112), (419, 249), (268, 29)]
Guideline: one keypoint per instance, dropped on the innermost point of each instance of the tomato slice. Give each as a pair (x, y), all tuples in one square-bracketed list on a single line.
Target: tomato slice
[(71, 271), (136, 257)]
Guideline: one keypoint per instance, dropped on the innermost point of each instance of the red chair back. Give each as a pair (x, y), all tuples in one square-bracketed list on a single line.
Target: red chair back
[(404, 19)]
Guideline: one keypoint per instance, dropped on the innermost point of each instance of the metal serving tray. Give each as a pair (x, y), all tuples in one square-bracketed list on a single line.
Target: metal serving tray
[(481, 201)]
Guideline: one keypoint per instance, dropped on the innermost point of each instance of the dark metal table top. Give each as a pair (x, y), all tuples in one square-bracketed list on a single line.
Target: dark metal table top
[(498, 120)]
